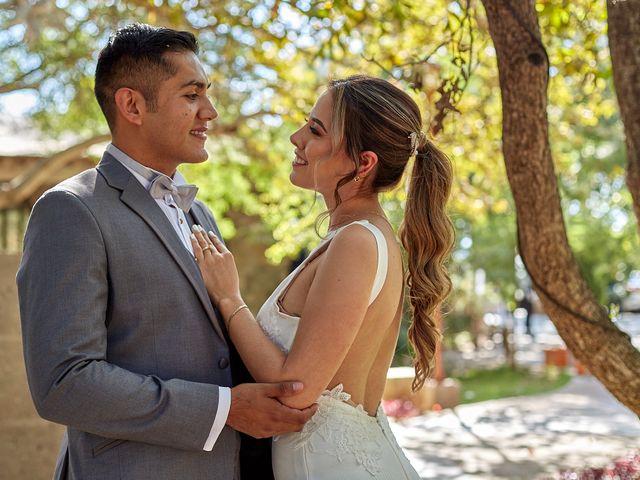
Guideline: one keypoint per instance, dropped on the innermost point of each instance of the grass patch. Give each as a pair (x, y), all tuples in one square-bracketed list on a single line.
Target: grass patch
[(480, 385)]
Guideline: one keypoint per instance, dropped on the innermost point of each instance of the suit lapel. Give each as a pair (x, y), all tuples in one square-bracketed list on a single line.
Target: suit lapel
[(201, 219), (196, 215), (138, 199)]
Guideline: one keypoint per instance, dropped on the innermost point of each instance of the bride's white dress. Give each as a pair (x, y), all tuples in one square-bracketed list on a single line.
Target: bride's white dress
[(341, 441)]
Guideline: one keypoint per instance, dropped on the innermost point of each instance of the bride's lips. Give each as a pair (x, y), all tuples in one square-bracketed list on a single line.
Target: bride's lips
[(298, 161)]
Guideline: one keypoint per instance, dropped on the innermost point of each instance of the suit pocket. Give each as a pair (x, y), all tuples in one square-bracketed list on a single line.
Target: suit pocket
[(106, 445)]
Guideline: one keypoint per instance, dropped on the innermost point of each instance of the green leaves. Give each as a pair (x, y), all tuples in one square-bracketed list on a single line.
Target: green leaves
[(269, 60)]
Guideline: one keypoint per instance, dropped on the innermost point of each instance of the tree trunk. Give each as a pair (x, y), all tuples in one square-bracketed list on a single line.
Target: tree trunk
[(624, 43), (581, 322)]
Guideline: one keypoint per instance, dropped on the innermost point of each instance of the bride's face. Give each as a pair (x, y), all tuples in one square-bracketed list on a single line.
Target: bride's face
[(316, 165)]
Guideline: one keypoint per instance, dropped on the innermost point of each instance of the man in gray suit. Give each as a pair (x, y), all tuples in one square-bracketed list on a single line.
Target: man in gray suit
[(121, 341)]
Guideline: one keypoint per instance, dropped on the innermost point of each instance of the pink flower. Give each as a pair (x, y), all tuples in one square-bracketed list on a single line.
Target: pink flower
[(625, 468), (399, 408)]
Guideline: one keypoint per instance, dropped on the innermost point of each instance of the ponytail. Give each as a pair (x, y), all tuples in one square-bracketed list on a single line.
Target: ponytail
[(372, 114), (427, 235)]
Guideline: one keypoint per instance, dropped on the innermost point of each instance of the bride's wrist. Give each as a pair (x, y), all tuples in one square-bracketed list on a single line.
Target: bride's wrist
[(228, 305)]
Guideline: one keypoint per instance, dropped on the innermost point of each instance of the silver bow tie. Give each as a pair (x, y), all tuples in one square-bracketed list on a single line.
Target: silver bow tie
[(183, 195)]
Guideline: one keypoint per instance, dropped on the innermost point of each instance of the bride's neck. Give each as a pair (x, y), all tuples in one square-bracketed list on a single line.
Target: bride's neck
[(355, 209)]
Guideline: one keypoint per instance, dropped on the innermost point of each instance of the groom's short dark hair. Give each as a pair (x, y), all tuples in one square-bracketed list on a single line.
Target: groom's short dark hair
[(135, 58)]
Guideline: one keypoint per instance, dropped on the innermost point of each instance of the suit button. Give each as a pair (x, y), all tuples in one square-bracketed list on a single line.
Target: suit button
[(223, 362)]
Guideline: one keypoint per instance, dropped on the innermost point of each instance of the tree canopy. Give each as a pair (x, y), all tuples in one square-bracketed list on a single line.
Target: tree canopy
[(269, 60)]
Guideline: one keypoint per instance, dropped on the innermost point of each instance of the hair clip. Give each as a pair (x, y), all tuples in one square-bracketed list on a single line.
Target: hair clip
[(413, 136)]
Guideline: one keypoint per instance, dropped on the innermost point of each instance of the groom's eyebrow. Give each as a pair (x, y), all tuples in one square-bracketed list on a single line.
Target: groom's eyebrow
[(196, 83)]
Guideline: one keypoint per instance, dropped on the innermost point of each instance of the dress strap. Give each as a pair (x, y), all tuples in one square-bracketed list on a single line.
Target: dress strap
[(383, 258)]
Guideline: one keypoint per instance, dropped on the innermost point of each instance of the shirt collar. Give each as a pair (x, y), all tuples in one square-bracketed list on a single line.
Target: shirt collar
[(123, 158)]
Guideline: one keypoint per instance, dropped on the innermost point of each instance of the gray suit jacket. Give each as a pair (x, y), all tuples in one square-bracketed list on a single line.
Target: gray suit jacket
[(121, 342)]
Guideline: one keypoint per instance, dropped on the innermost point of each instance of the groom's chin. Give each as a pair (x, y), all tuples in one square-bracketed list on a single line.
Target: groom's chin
[(196, 158)]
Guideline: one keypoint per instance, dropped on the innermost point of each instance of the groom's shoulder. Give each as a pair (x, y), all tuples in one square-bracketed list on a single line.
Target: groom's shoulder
[(82, 186)]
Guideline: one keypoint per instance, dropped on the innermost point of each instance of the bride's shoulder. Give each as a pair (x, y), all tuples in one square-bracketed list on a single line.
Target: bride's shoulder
[(348, 270), (353, 243)]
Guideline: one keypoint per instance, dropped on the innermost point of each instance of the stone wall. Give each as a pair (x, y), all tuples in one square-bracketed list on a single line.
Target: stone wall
[(28, 444)]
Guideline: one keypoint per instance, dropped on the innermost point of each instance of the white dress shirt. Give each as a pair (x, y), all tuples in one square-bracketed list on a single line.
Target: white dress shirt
[(179, 223)]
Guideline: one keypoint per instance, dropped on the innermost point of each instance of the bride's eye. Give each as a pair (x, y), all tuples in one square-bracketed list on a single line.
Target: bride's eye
[(312, 129)]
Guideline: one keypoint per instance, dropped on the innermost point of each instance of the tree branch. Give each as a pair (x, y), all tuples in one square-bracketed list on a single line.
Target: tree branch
[(22, 187), (18, 83)]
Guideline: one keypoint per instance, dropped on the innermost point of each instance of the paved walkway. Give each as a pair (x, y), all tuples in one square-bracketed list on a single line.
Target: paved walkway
[(534, 437)]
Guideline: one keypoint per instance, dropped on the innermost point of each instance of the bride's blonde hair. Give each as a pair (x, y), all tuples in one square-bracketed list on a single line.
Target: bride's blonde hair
[(371, 114)]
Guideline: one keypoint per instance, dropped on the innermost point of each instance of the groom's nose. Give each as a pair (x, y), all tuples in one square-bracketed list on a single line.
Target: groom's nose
[(208, 112)]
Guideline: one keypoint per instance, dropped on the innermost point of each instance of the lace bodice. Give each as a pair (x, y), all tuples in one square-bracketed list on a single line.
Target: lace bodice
[(327, 425), (348, 434), (281, 327)]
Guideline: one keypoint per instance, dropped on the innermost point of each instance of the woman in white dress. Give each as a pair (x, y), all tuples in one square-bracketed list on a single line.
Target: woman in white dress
[(333, 323)]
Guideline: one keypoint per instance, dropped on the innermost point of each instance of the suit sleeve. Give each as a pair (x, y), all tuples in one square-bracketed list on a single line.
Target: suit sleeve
[(63, 288)]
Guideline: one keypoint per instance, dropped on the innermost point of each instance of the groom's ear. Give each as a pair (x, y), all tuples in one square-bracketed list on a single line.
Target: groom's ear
[(130, 104)]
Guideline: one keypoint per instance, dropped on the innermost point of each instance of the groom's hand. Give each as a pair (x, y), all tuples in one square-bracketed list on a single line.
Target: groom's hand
[(256, 411)]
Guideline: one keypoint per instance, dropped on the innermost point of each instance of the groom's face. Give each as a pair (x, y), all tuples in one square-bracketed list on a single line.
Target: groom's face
[(176, 131)]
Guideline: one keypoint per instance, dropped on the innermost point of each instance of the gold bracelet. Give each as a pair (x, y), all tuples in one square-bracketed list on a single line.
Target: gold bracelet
[(235, 312)]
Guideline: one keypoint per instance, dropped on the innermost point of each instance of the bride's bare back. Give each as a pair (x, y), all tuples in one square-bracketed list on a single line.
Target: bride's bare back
[(364, 368)]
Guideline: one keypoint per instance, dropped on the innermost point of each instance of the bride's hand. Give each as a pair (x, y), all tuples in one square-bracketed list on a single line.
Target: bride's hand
[(217, 267)]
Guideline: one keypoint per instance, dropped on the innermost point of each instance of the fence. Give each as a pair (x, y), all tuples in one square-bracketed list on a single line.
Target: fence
[(13, 222)]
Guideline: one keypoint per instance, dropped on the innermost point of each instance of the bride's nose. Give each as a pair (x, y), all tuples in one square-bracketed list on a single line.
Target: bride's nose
[(296, 138)]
